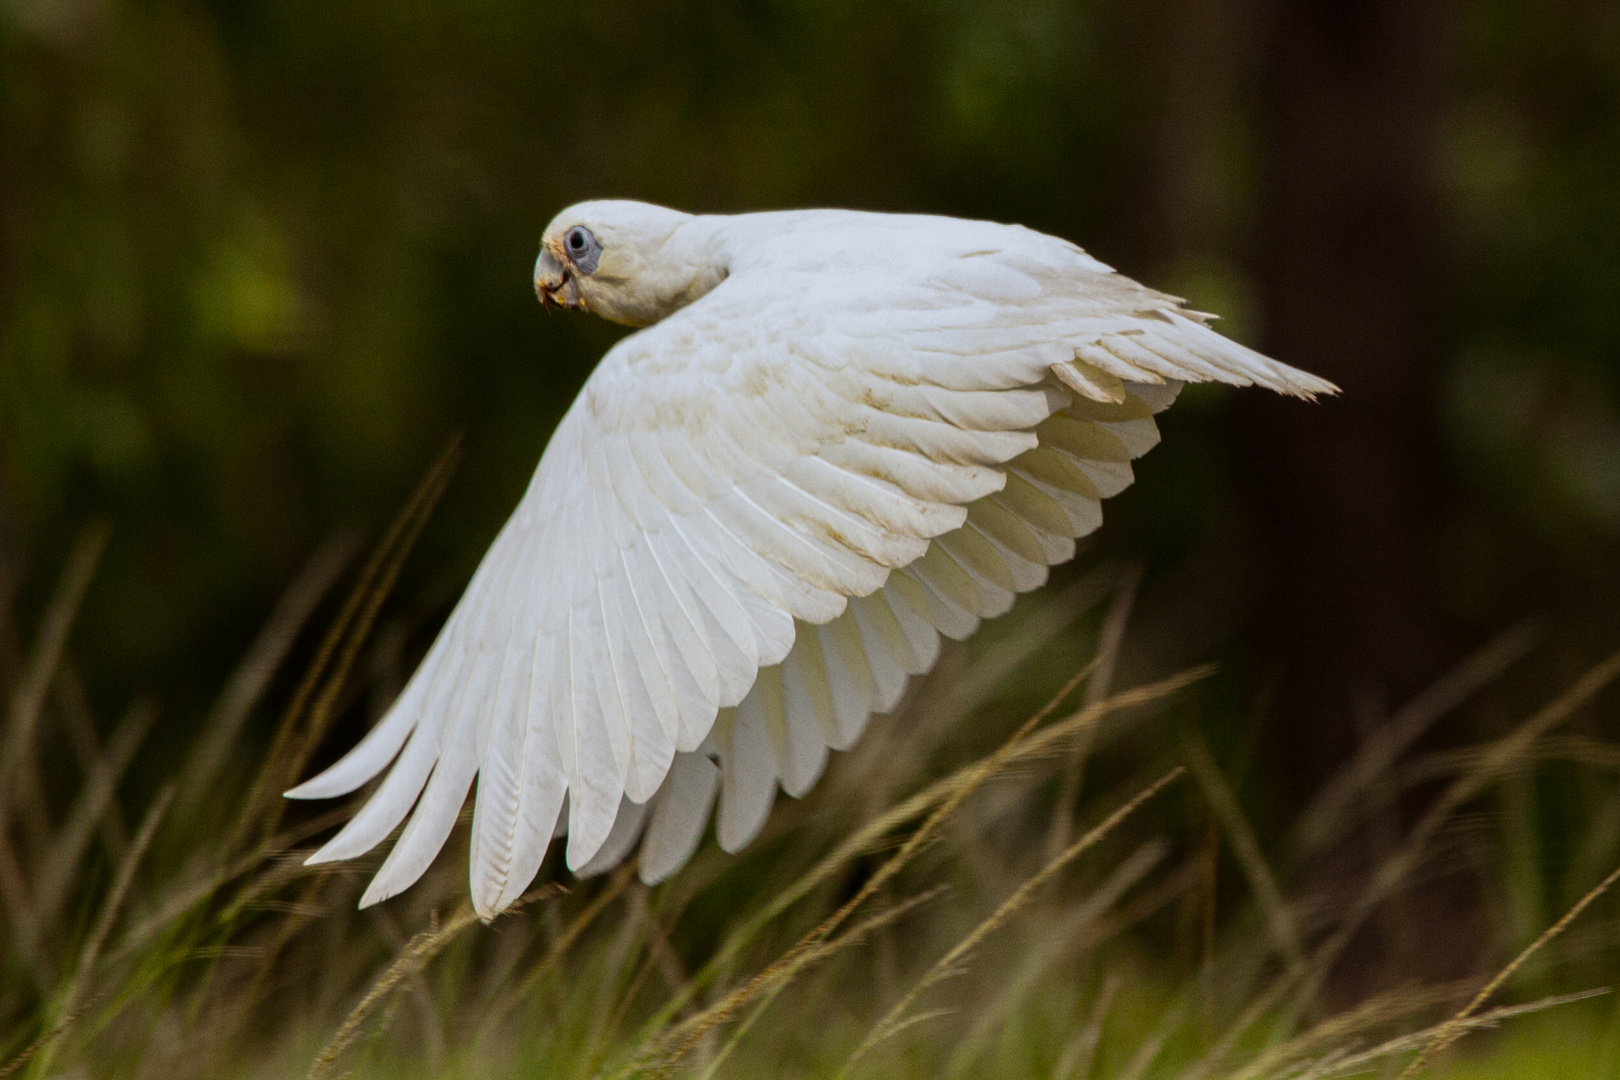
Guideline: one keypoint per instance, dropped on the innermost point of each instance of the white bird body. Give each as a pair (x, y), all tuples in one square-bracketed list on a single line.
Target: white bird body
[(838, 436)]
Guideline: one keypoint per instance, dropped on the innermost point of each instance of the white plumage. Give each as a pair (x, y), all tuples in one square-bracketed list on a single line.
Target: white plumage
[(837, 436)]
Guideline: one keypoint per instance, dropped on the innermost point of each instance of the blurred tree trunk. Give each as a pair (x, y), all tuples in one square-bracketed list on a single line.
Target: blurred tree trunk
[(1347, 505)]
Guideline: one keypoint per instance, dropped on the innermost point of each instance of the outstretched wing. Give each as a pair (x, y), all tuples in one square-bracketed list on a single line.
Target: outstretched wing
[(812, 470)]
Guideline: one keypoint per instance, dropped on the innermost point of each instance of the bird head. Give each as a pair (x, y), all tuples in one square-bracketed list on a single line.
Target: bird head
[(630, 262)]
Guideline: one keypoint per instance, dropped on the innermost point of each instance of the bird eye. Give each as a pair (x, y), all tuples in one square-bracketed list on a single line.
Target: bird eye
[(583, 248)]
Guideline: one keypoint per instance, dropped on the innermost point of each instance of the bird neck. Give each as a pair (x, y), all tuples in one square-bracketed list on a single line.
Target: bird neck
[(691, 261)]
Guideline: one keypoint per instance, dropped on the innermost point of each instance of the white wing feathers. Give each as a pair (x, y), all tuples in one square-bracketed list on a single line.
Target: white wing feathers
[(753, 525)]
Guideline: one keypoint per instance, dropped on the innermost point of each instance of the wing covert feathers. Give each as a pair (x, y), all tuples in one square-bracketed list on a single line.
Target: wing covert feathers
[(752, 528)]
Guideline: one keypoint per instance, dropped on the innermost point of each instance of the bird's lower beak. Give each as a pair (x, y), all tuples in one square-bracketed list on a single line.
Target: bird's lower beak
[(553, 284)]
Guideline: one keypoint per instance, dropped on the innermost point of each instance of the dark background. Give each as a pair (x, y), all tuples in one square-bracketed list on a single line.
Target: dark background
[(259, 262)]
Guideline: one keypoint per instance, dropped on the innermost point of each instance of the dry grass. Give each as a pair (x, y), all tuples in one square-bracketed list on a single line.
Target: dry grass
[(923, 914)]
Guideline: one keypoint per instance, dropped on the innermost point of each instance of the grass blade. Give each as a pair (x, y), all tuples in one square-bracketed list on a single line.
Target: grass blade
[(1329, 812), (412, 959), (416, 955), (1496, 758), (22, 722), (954, 959), (96, 794), (1110, 640), (247, 684), (68, 1005), (28, 699), (1284, 932), (1452, 1030)]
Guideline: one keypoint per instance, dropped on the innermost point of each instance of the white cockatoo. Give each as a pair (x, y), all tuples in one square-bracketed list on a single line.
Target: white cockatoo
[(835, 437)]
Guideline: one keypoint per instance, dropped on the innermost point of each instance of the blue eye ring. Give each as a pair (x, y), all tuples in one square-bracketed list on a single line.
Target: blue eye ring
[(582, 248)]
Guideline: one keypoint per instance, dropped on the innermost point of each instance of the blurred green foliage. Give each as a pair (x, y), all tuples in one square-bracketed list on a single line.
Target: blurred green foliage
[(259, 260)]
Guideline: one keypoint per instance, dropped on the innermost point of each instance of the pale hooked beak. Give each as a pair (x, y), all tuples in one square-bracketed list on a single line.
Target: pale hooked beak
[(554, 281)]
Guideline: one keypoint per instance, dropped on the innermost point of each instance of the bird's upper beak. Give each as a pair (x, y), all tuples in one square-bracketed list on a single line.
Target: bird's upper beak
[(554, 281)]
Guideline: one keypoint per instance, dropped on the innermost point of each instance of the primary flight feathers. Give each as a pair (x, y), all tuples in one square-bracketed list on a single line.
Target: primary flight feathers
[(838, 436)]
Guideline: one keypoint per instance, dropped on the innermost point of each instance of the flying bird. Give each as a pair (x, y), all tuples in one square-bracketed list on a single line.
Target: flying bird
[(835, 437)]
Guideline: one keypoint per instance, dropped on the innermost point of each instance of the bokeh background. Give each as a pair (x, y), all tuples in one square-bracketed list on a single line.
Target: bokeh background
[(260, 261)]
